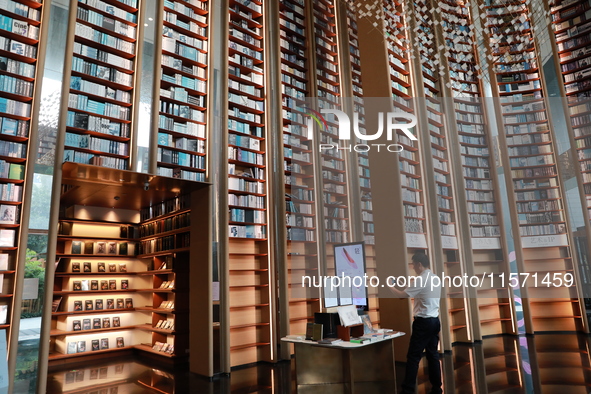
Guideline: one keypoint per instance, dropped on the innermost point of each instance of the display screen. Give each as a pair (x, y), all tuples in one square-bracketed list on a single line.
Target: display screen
[(350, 263)]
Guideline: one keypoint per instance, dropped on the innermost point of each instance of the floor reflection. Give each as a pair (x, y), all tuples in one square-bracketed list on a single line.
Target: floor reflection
[(558, 363)]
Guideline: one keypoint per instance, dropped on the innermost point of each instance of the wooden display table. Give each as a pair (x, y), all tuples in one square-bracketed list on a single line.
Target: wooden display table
[(345, 367)]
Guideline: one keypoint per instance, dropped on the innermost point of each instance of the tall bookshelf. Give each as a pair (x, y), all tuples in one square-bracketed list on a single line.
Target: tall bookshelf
[(570, 22), (249, 274), (21, 25), (494, 304), (125, 267), (332, 162), (415, 226), (362, 165), (432, 98), (301, 221), (102, 82), (183, 90), (532, 158)]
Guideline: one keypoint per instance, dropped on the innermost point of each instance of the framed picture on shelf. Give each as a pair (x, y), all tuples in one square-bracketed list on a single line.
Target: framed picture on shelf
[(8, 214), (101, 267), (101, 248), (112, 248)]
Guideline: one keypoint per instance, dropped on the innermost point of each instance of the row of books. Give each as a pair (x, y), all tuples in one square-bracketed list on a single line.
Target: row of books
[(188, 128), (245, 156), (96, 160), (246, 201), (13, 107), (19, 27), (247, 231), (109, 8), (13, 149), (180, 158), (120, 303), (244, 185), (171, 37), (100, 266), (537, 206), (93, 285), (183, 111), (82, 102), (544, 217), (97, 144), (184, 143), (171, 242), (94, 18), (181, 94), (21, 9), (105, 39), (177, 64), (97, 124), (169, 206), (96, 323), (168, 224), (103, 56), (247, 216), (181, 174), (101, 72), (300, 234), (16, 67), (185, 51), (16, 86), (80, 346), (11, 192), (188, 10), (77, 83), (100, 247), (11, 170), (9, 126)]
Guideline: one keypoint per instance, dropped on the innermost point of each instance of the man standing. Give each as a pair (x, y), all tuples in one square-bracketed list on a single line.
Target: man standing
[(426, 325)]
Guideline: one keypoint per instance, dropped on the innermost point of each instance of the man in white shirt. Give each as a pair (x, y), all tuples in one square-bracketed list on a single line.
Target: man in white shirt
[(425, 327)]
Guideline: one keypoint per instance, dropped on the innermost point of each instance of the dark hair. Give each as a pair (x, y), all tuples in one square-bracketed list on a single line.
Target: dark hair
[(422, 259)]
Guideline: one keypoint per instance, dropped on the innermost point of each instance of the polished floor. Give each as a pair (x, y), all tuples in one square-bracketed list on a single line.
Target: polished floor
[(558, 363)]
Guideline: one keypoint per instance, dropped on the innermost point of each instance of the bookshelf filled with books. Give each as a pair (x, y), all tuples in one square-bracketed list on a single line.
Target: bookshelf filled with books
[(20, 26), (332, 161), (532, 158), (495, 311), (102, 81), (300, 199), (432, 98), (362, 157), (124, 269), (183, 90), (410, 165), (250, 301)]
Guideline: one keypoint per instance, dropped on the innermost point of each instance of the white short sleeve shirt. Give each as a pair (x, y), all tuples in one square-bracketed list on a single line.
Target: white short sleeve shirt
[(426, 291)]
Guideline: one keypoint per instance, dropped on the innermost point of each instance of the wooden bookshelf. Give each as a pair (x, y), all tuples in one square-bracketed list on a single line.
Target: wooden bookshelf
[(332, 166), (431, 94), (19, 72), (182, 108), (301, 222), (123, 276), (495, 312), (250, 291), (362, 164), (532, 158), (102, 81)]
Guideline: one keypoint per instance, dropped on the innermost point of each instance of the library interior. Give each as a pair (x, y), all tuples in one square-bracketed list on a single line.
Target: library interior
[(187, 185)]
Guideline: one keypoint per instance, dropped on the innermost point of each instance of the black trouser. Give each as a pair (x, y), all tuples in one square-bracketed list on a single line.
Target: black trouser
[(425, 336)]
